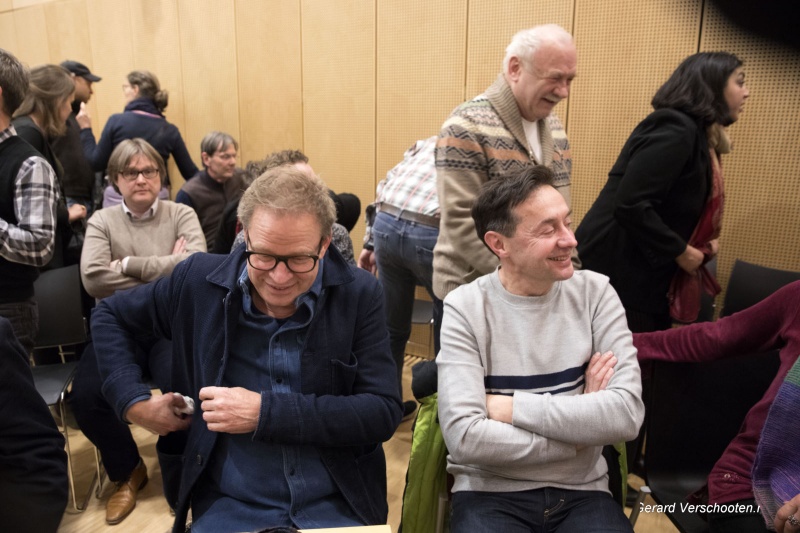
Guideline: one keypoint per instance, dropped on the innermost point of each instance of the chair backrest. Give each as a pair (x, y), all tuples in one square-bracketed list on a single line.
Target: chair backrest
[(696, 410), (58, 295), (750, 283)]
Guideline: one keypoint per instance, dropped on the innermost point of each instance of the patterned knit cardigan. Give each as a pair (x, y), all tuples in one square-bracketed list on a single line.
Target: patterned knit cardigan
[(776, 469), (484, 139)]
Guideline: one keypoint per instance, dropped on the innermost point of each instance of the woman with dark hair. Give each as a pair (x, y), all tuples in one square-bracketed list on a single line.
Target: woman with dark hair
[(143, 117), (41, 117), (666, 189)]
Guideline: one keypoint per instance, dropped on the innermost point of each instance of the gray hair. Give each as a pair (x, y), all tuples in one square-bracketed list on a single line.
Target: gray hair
[(526, 42), (216, 141)]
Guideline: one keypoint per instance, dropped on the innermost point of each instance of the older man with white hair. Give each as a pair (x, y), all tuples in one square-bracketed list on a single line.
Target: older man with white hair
[(507, 128)]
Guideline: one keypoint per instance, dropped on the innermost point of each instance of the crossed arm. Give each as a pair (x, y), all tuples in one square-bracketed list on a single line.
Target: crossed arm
[(494, 430)]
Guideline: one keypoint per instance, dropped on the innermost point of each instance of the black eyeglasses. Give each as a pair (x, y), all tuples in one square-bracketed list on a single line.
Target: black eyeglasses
[(299, 264), (131, 174)]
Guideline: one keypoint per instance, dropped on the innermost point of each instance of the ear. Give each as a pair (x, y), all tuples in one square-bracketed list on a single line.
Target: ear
[(325, 244), (204, 157), (496, 243), (514, 69)]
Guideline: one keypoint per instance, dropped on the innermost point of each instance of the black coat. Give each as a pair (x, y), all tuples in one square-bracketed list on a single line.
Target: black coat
[(648, 209)]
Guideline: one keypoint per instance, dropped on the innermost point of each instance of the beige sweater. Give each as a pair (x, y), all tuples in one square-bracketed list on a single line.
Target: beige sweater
[(111, 234)]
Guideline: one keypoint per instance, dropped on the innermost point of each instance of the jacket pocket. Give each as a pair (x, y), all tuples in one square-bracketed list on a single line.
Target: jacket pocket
[(343, 375)]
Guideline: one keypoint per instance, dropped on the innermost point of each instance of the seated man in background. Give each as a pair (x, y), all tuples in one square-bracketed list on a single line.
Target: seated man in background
[(218, 184), (284, 351), (128, 245), (771, 324), (525, 407), (33, 464)]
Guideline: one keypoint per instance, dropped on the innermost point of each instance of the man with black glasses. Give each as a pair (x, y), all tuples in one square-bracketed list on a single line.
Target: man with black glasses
[(283, 350), (129, 245)]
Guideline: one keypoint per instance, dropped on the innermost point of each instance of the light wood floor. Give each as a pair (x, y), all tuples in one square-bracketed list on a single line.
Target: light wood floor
[(152, 514)]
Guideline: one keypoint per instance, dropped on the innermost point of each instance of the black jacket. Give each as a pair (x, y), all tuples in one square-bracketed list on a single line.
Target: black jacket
[(648, 209), (33, 464)]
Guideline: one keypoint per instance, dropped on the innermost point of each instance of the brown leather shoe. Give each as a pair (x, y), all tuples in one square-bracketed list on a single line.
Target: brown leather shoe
[(122, 502)]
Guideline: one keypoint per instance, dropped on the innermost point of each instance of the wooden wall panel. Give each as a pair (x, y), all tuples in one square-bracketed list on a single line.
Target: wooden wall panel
[(354, 83), (111, 57), (208, 54), (762, 188), (625, 52), (269, 77), (66, 30), (156, 47), (19, 4), (339, 96), (419, 78), (8, 33), (32, 43)]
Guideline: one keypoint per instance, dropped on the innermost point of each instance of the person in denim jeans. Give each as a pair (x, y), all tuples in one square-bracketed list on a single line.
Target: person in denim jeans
[(402, 228)]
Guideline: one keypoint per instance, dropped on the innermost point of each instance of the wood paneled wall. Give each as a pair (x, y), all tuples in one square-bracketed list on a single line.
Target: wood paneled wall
[(353, 83)]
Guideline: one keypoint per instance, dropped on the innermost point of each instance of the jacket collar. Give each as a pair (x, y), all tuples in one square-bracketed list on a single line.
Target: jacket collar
[(336, 271), (145, 105), (502, 99)]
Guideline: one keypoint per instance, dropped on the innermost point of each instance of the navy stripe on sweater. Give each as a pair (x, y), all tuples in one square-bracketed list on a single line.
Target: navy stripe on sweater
[(539, 381)]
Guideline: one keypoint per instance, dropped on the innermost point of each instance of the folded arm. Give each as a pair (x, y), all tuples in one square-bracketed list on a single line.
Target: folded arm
[(471, 436), (602, 417)]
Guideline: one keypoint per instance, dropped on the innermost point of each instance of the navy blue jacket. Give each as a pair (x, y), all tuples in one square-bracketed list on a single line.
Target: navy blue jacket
[(140, 119), (349, 402)]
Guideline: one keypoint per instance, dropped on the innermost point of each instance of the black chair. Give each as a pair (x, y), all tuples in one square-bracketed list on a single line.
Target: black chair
[(750, 283), (61, 324), (422, 313)]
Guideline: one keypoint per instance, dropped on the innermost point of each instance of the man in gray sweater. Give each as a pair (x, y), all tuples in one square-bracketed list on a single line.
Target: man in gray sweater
[(537, 372)]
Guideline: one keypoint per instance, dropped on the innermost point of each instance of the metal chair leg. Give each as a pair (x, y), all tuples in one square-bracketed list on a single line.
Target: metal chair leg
[(70, 471), (101, 474), (644, 490)]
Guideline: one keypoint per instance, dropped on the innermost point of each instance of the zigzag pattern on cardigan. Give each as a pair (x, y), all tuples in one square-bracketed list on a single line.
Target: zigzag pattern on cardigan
[(469, 147), (776, 470)]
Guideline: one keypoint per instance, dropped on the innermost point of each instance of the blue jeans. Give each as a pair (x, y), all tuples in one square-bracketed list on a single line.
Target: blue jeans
[(24, 318), (537, 511), (404, 255)]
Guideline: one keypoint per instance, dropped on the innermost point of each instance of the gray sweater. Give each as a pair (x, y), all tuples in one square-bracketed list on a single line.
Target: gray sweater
[(537, 349)]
